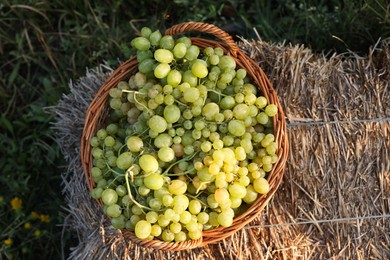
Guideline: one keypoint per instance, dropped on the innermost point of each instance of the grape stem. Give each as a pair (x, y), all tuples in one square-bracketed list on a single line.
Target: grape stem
[(185, 159), (135, 98), (131, 196)]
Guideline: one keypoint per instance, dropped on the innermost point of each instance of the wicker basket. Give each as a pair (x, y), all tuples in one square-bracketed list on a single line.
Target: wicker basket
[(96, 115)]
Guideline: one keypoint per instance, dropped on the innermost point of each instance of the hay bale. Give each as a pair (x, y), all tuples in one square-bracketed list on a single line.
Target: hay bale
[(334, 199)]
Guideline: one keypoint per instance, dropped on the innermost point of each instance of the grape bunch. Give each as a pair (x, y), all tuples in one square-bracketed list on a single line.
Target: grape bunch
[(187, 145)]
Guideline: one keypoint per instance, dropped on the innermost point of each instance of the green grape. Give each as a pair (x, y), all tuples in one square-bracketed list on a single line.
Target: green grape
[(168, 235), (157, 124), (141, 43), (210, 110), (185, 40), (124, 160), (118, 222), (148, 163), (167, 42), (225, 219), (166, 154), (155, 38), (261, 102), (175, 228), (146, 66), (114, 211), (199, 69), (143, 55), (180, 237), (180, 203), (145, 32), (262, 118), (96, 193), (177, 187), (109, 197), (191, 95), (237, 190), (155, 230), (192, 52), (121, 190), (197, 234), (261, 186), (155, 204), (194, 207), (226, 62), (180, 50), (185, 217), (221, 195), (174, 78), (135, 144), (143, 190), (271, 110), (162, 70), (250, 99), (163, 56), (190, 78), (154, 181), (214, 59), (236, 127), (143, 229)]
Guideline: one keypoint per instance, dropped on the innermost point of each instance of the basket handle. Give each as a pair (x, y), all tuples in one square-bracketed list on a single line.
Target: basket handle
[(205, 28)]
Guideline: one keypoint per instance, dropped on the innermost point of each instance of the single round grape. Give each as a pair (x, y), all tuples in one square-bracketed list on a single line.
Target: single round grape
[(180, 237), (179, 51), (109, 197), (155, 230), (192, 53), (168, 235), (96, 193), (174, 78), (124, 160), (166, 154), (141, 43), (155, 38), (143, 229), (163, 56), (162, 70), (135, 144), (154, 181), (236, 127), (114, 211), (148, 163), (194, 207), (261, 186), (157, 123), (167, 42), (177, 187), (262, 118), (225, 219), (191, 95), (121, 190), (199, 69), (237, 190), (118, 222), (221, 195)]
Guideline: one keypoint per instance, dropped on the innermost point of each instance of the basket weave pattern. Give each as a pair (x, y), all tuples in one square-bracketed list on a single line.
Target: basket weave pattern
[(97, 113)]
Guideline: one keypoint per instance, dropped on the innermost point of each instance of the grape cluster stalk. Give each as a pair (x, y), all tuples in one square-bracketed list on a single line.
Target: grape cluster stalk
[(187, 145)]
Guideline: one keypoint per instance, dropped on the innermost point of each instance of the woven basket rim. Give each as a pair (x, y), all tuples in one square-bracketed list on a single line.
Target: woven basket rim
[(96, 110)]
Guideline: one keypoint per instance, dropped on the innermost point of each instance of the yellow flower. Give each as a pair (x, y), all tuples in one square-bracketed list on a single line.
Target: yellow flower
[(8, 242), (16, 203), (44, 218), (37, 233), (27, 225), (34, 214)]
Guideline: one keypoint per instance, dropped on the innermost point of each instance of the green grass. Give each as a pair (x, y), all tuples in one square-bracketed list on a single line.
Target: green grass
[(44, 44)]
